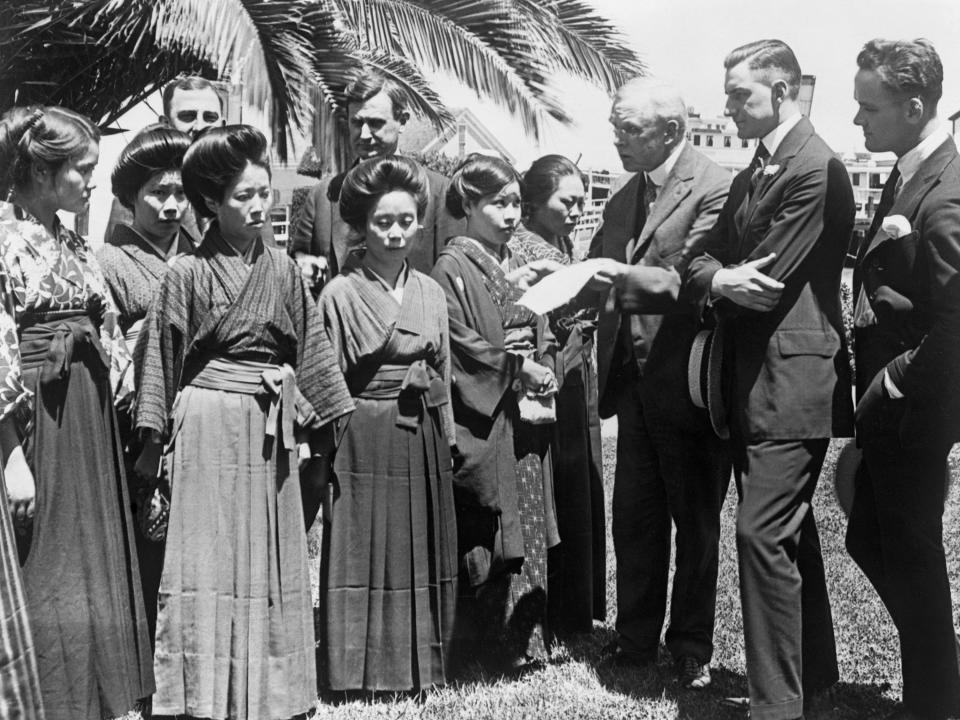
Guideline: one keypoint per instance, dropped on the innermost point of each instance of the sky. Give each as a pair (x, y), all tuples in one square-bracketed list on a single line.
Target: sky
[(684, 43)]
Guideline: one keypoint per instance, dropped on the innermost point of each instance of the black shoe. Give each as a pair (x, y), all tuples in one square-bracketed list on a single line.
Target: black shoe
[(691, 674), (613, 655)]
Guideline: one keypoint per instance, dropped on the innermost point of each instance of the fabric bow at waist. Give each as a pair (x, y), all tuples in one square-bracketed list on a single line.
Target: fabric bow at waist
[(415, 387), (52, 341), (248, 377)]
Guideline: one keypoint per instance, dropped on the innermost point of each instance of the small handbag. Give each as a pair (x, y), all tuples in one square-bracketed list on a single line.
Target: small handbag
[(153, 510), (536, 409)]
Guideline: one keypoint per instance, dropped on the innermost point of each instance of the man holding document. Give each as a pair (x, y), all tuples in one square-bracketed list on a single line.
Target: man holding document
[(670, 464)]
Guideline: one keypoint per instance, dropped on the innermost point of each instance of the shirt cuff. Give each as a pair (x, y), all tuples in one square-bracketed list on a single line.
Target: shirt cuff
[(892, 390)]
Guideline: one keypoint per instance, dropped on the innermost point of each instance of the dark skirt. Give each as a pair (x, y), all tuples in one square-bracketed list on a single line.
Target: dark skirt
[(80, 566), (502, 615), (235, 635), (578, 582), (19, 679), (389, 561)]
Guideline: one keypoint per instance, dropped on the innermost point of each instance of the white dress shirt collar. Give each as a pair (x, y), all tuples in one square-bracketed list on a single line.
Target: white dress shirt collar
[(911, 160), (659, 174), (771, 141)]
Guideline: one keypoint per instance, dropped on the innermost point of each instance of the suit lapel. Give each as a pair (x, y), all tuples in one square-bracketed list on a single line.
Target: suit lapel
[(791, 144), (913, 191), (675, 188), (623, 207)]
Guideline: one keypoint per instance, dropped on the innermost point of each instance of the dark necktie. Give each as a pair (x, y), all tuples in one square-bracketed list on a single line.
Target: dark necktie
[(759, 163), (887, 197)]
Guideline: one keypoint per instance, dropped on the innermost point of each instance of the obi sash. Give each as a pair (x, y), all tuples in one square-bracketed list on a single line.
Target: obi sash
[(416, 387), (53, 341), (248, 377)]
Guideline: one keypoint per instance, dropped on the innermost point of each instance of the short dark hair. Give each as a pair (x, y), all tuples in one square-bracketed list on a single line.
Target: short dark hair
[(911, 67), (369, 83), (187, 82), (769, 55), (215, 159), (372, 179), (47, 136), (543, 178), (155, 149), (477, 177)]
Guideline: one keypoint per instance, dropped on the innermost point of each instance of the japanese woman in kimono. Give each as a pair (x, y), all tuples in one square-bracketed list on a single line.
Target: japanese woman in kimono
[(553, 199), (233, 362), (502, 480), (146, 180), (388, 575), (63, 468)]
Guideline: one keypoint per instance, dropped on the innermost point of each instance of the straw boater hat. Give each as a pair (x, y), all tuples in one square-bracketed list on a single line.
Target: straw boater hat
[(704, 378)]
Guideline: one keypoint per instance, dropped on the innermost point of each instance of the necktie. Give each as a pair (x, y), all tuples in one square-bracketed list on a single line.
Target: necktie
[(863, 315), (649, 195), (890, 190), (759, 162)]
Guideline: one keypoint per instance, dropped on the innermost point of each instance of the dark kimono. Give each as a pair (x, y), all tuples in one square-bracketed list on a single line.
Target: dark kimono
[(79, 564), (503, 489), (388, 575), (578, 566), (235, 632), (133, 269)]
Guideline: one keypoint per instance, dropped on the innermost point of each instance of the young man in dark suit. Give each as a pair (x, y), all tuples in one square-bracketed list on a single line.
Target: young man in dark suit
[(907, 334), (670, 465), (377, 115), (772, 276)]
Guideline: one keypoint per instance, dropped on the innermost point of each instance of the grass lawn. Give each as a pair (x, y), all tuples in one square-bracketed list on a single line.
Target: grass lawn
[(571, 687)]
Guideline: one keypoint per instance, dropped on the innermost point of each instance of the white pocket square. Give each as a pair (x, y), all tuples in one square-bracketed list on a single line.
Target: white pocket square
[(895, 226)]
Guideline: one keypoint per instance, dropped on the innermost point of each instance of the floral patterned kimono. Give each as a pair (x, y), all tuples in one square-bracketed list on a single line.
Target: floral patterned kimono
[(79, 563), (578, 570)]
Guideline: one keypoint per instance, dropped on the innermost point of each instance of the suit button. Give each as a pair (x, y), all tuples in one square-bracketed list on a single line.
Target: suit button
[(874, 263)]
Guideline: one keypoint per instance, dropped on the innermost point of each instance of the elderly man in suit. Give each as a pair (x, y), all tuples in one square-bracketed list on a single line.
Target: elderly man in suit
[(907, 334), (377, 114), (772, 276), (670, 464)]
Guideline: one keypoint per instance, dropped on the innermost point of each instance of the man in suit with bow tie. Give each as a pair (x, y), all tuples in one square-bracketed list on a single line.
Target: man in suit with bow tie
[(771, 273), (670, 465), (907, 334)]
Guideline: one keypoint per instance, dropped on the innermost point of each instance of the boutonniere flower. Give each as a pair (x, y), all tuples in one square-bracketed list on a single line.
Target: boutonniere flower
[(896, 226), (771, 170)]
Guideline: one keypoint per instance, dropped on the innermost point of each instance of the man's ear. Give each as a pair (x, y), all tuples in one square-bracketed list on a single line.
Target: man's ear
[(402, 118), (673, 132), (164, 120), (779, 90), (915, 109)]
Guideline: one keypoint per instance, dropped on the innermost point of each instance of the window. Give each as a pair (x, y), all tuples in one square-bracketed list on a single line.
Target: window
[(696, 139), (875, 180), (709, 140), (745, 143), (280, 221), (855, 179), (726, 141)]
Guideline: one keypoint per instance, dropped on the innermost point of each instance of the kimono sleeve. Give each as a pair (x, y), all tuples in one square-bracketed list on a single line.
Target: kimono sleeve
[(111, 337), (158, 357), (318, 368), (482, 372), (15, 400)]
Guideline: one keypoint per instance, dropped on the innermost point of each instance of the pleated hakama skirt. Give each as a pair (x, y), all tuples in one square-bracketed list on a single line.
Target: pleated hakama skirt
[(235, 635), (389, 563)]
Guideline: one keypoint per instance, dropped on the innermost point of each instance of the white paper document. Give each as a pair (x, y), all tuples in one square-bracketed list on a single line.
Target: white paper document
[(559, 288)]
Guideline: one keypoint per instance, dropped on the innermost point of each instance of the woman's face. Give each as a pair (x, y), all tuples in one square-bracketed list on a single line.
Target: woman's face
[(69, 186), (493, 218), (160, 205), (392, 226), (246, 204), (560, 214)]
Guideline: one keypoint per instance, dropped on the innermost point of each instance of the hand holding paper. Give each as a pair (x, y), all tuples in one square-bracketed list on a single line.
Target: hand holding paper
[(561, 287)]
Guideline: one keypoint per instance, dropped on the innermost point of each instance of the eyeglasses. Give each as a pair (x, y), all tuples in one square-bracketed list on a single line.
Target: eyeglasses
[(627, 131)]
